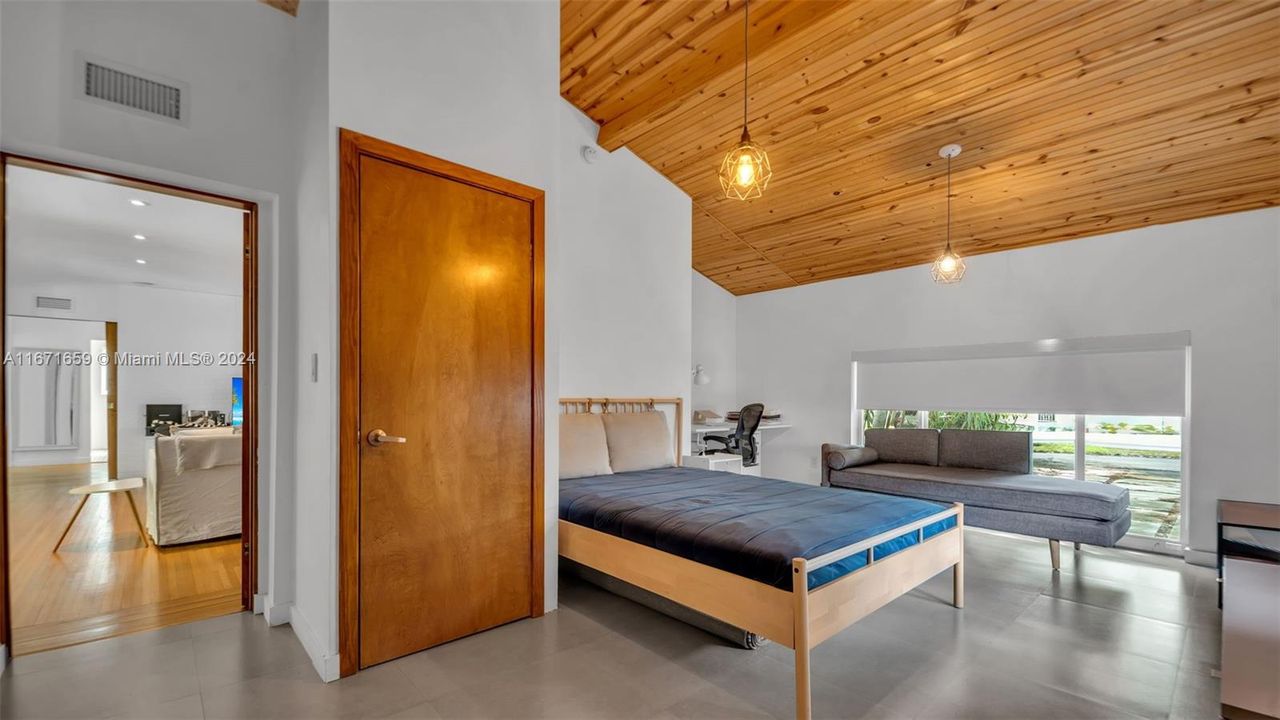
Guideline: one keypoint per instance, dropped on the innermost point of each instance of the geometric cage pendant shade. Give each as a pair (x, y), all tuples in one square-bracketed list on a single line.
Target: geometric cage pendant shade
[(948, 268), (745, 172)]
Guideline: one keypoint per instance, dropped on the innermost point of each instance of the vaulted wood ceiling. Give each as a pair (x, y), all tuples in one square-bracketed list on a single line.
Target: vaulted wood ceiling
[(1077, 117)]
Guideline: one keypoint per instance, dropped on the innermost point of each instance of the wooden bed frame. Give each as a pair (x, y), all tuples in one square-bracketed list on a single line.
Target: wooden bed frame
[(800, 619)]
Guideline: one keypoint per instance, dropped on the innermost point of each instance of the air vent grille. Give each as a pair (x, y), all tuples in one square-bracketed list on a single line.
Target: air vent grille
[(45, 302), (135, 92)]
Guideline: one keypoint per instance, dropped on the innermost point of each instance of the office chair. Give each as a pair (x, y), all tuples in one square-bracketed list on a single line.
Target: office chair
[(743, 440)]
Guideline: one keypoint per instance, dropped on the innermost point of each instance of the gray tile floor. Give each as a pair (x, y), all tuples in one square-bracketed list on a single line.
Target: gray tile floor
[(1115, 635)]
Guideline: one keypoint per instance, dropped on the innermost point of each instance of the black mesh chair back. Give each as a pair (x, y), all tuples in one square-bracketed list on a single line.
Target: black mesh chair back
[(743, 440), (745, 434)]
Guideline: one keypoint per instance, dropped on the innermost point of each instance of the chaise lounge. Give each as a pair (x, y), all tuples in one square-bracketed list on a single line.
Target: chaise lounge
[(988, 471)]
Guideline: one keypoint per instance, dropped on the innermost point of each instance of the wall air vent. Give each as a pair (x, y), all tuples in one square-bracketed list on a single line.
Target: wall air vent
[(44, 302), (127, 88)]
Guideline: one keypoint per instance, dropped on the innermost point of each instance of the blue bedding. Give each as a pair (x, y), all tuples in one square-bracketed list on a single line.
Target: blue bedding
[(745, 525)]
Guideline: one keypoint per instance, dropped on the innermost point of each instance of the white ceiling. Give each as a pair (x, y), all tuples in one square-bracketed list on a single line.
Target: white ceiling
[(67, 229)]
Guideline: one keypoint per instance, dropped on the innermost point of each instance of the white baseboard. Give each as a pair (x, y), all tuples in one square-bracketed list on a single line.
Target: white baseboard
[(325, 664), (259, 603), (278, 614), (1200, 557)]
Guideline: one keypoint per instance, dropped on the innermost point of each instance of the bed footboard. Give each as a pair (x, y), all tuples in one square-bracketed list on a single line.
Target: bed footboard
[(821, 613), (800, 619)]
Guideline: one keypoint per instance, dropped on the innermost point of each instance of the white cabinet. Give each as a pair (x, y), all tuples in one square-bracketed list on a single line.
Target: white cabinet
[(721, 462), (1250, 639)]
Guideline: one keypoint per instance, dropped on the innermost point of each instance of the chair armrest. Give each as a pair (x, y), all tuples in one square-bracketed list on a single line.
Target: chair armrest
[(717, 438)]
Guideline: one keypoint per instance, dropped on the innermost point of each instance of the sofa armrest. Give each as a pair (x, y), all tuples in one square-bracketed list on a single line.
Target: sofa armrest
[(822, 460)]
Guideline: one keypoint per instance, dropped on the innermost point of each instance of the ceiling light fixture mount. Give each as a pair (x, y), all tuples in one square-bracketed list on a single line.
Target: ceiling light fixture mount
[(745, 171), (949, 267)]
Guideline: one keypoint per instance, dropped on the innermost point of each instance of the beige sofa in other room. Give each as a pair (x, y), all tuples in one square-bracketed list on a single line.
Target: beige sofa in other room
[(193, 486)]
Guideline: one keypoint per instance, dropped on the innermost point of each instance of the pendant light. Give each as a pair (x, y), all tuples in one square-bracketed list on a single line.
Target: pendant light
[(948, 268), (745, 172)]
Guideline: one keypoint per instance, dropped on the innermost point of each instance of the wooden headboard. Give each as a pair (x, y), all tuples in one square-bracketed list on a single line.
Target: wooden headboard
[(631, 405)]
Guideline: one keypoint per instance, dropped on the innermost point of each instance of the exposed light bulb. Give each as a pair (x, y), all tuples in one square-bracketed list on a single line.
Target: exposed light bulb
[(948, 263), (139, 203), (140, 261), (746, 170), (139, 237)]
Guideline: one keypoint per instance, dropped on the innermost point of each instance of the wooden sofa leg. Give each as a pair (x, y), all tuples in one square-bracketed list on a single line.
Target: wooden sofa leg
[(1054, 553)]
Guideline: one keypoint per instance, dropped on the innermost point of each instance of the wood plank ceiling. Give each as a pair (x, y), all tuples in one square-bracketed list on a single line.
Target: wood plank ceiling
[(1077, 117)]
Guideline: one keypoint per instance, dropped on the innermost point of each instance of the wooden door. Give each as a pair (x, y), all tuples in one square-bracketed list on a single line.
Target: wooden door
[(446, 360)]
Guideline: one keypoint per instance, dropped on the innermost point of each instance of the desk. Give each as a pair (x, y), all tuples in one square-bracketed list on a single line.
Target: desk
[(697, 431)]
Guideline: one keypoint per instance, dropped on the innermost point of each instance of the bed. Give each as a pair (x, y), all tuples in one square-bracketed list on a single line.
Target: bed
[(791, 562)]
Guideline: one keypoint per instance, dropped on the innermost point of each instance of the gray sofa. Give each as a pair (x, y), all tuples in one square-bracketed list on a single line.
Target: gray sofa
[(988, 471)]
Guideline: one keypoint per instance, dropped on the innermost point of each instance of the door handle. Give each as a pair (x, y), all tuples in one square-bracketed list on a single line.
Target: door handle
[(379, 437)]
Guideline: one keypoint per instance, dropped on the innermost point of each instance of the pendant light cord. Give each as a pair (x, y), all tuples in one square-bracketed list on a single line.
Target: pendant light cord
[(746, 58), (949, 204)]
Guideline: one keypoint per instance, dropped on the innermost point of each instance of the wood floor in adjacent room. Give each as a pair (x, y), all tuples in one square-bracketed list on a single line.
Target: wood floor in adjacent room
[(103, 581)]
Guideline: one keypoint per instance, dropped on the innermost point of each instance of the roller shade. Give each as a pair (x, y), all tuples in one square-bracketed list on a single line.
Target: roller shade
[(1145, 382)]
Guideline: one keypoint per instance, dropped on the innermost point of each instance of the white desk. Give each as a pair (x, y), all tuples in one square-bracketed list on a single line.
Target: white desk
[(697, 431)]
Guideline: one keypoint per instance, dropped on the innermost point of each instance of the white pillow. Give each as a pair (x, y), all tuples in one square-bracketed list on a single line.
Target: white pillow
[(583, 450), (638, 441)]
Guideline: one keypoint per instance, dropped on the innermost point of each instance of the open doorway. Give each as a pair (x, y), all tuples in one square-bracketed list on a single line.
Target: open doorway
[(130, 384)]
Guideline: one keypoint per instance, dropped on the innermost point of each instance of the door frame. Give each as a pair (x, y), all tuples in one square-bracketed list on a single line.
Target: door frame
[(111, 331), (353, 146), (249, 371)]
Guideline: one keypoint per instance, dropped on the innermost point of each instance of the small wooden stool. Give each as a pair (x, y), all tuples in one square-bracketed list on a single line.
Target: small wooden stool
[(111, 486)]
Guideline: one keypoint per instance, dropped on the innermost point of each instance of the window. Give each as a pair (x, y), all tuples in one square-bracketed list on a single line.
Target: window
[(1053, 445), (1143, 454), (891, 419)]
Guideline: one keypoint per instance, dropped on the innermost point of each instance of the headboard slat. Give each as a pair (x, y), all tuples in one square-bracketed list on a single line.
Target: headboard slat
[(630, 405)]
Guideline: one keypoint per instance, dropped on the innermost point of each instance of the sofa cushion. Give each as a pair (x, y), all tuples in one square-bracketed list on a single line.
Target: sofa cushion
[(1103, 533), (840, 458), (986, 450), (904, 446), (990, 489)]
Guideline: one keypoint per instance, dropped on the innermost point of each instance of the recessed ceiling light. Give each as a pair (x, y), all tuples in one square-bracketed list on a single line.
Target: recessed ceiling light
[(139, 237), (140, 261), (138, 203)]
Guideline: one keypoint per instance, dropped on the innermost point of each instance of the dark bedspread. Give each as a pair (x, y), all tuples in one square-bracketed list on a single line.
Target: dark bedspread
[(745, 525)]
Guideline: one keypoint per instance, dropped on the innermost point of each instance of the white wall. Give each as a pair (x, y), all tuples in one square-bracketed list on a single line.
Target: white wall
[(150, 320), (98, 402), (1215, 277), (626, 295), (43, 334), (239, 60), (715, 345)]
